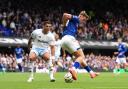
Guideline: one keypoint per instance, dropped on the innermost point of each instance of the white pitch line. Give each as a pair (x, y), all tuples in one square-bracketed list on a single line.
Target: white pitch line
[(59, 88), (90, 88), (110, 88)]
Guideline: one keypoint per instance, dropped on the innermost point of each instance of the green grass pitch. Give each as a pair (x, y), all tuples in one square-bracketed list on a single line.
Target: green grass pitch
[(41, 81)]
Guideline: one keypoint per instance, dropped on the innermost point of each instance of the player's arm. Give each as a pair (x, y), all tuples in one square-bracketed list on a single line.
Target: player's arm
[(31, 38), (115, 53), (65, 18), (15, 53), (23, 51), (52, 47), (64, 54), (30, 43), (125, 49)]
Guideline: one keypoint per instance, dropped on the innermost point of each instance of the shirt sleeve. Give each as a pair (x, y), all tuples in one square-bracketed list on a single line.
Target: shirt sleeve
[(22, 50), (15, 50), (125, 49), (33, 34), (75, 18), (51, 40)]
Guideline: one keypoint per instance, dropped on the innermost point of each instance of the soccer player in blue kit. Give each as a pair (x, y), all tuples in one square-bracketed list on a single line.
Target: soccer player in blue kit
[(19, 57), (70, 44), (121, 58)]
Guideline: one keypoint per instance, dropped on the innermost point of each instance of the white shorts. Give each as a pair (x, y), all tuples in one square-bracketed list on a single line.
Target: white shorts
[(68, 58), (19, 60), (121, 60), (70, 44), (39, 51)]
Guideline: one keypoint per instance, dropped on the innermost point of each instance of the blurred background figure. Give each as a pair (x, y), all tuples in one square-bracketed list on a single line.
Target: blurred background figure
[(19, 54)]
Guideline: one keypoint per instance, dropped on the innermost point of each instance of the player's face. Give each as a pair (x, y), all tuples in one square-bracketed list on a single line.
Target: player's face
[(119, 40), (82, 18), (18, 46), (47, 27)]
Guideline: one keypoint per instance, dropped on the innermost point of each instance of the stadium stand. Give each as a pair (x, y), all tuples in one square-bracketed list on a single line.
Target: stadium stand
[(20, 18)]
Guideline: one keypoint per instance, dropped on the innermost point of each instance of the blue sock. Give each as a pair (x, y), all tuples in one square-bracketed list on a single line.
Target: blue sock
[(76, 65), (87, 68), (20, 67)]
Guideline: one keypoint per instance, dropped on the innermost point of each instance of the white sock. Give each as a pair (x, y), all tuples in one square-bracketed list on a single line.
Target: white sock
[(50, 67), (91, 72), (74, 69), (31, 69), (3, 69), (51, 74), (22, 69)]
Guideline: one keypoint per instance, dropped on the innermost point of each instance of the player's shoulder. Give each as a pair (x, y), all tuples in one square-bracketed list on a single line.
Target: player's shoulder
[(37, 31), (123, 44), (74, 18), (50, 34), (15, 49)]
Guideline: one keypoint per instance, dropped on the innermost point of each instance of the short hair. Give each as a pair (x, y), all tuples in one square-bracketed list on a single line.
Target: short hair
[(120, 38), (84, 14), (46, 22)]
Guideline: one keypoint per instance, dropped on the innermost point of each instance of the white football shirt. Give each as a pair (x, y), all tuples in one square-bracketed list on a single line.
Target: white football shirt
[(41, 40)]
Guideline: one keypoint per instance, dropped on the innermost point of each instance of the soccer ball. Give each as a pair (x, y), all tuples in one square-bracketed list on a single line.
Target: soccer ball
[(68, 78)]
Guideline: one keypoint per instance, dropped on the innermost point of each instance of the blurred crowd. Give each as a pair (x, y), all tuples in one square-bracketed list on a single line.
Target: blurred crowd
[(108, 21), (97, 62), (18, 20)]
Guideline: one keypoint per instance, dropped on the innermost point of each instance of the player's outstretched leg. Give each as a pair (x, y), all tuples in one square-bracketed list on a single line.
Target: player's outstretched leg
[(80, 61), (31, 77), (73, 70), (51, 74), (51, 71), (59, 64), (32, 58), (89, 70)]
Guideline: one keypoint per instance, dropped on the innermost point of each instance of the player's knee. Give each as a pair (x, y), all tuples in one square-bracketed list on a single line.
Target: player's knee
[(79, 59), (79, 53), (32, 58), (84, 63), (46, 58)]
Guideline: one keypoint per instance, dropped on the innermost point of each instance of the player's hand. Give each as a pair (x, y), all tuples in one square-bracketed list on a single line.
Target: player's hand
[(53, 58), (29, 48), (115, 53)]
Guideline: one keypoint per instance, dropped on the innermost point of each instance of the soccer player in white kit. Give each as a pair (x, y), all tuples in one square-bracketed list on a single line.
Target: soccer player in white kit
[(42, 39)]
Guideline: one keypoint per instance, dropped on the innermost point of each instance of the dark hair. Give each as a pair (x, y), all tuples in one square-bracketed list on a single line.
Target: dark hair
[(46, 22)]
